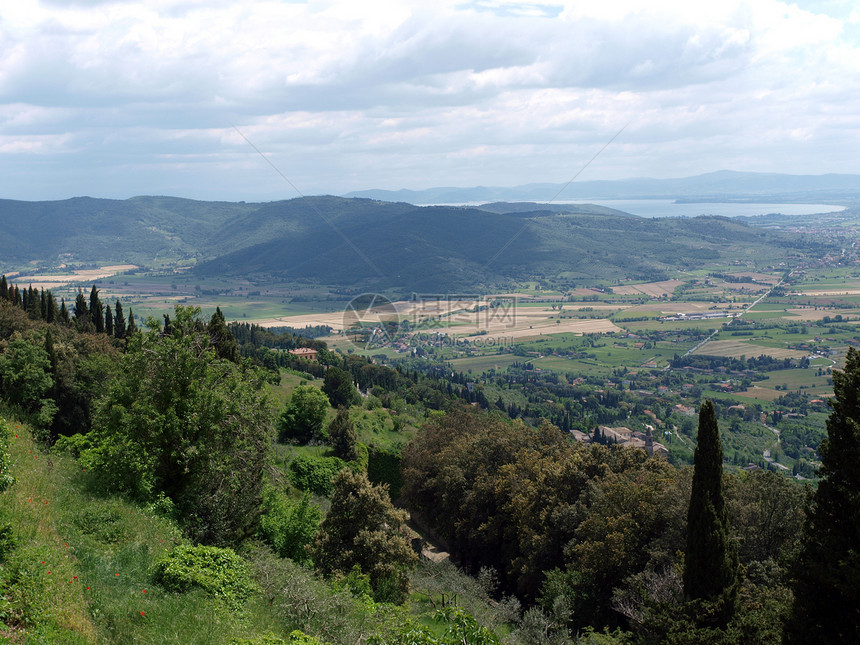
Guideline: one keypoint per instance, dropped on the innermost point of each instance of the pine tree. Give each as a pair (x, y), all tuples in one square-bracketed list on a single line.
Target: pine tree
[(96, 312), (711, 561), (119, 322), (827, 572)]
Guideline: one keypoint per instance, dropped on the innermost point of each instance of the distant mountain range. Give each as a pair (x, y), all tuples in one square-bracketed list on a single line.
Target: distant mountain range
[(716, 186), (371, 244)]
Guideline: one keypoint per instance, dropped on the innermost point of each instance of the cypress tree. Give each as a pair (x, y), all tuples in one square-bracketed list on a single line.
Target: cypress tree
[(119, 322), (108, 321), (82, 312), (342, 436), (17, 299), (131, 330), (827, 571), (50, 307), (711, 561), (43, 305), (222, 338), (96, 313), (4, 287), (33, 305), (63, 316)]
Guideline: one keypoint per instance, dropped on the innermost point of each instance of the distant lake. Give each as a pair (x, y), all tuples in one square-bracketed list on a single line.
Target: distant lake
[(668, 208)]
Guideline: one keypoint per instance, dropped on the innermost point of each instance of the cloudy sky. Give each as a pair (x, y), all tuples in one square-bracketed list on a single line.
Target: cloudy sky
[(115, 98)]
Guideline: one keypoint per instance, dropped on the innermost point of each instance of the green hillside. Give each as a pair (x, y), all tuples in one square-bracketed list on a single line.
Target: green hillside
[(366, 243)]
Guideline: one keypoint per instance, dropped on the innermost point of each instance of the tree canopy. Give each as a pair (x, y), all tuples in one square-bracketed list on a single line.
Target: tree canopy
[(710, 565), (178, 421), (827, 572)]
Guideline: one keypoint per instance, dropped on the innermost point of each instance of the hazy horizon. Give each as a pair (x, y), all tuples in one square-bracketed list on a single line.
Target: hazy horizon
[(115, 98)]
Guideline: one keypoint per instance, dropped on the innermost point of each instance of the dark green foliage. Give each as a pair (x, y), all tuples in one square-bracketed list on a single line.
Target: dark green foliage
[(119, 329), (219, 572), (181, 422), (342, 436), (315, 474), (766, 514), (63, 316), (710, 564), (383, 467), (96, 311), (506, 496), (827, 572), (108, 326), (303, 417), (289, 525), (339, 388), (25, 373), (221, 338), (82, 313), (363, 528), (131, 330)]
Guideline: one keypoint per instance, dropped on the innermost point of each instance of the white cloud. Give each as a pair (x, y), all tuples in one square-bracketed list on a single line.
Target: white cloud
[(347, 95)]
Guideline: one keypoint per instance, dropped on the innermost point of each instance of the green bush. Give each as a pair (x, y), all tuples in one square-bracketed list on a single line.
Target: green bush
[(314, 474), (74, 444), (289, 525), (219, 572)]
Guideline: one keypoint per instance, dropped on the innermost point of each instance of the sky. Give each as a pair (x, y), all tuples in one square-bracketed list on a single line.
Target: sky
[(263, 100)]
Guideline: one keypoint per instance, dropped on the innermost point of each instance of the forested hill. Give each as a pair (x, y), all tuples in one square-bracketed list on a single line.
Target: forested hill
[(363, 242), (385, 245)]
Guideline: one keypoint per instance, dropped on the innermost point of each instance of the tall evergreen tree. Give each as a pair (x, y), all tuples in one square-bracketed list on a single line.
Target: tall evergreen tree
[(96, 311), (711, 561), (342, 436), (50, 307), (82, 312), (4, 287), (63, 316), (108, 320), (119, 322), (131, 330), (827, 572), (34, 305), (222, 338)]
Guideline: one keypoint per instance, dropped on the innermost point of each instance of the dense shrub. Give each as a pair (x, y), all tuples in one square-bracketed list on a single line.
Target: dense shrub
[(314, 474), (219, 572), (288, 525)]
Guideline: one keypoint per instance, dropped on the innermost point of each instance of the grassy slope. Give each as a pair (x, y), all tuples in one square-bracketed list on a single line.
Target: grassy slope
[(98, 555), (81, 574)]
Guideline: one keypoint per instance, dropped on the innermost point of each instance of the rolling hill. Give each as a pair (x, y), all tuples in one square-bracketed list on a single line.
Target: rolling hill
[(355, 242)]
